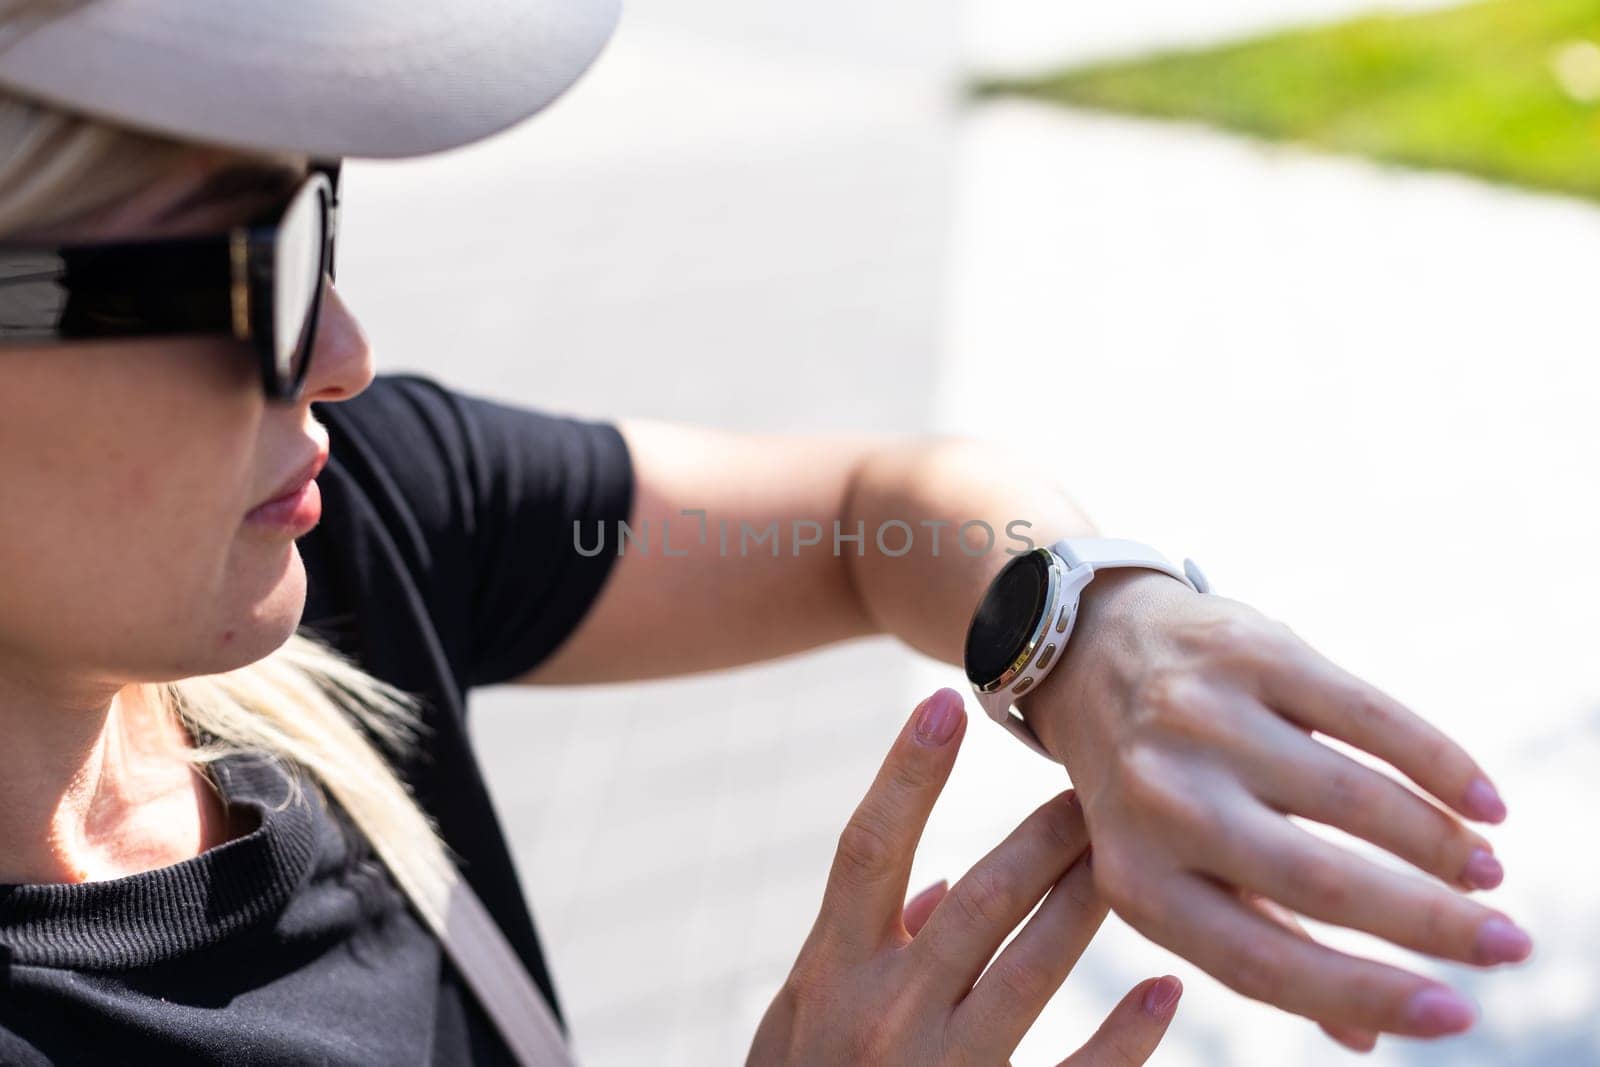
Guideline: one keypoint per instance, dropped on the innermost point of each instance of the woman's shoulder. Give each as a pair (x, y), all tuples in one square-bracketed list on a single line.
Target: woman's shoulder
[(458, 511)]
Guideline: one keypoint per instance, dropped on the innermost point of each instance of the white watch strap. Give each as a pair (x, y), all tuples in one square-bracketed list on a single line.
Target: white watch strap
[(1099, 553), (1019, 727)]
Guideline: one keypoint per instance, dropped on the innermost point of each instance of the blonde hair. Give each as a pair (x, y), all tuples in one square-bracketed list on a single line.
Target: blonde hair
[(305, 705)]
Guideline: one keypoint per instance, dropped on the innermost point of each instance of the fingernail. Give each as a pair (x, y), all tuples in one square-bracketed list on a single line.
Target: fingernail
[(1436, 1010), (1161, 998), (1483, 871), (936, 722), (1502, 941), (1482, 802)]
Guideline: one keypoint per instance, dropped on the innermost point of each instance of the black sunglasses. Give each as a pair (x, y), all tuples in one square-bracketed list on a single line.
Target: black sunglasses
[(260, 282)]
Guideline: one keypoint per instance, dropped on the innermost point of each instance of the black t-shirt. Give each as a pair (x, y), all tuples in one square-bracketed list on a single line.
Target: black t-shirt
[(444, 561)]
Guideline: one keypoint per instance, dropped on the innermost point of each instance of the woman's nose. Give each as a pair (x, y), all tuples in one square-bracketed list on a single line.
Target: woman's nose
[(341, 359)]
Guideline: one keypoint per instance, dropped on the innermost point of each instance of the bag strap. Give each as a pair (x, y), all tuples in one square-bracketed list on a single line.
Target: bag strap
[(486, 960)]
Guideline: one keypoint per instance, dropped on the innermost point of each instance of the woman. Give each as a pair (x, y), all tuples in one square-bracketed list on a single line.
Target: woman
[(174, 423), (158, 914)]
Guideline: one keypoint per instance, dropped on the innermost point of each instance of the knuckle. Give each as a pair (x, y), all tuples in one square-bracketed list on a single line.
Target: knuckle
[(865, 850), (1022, 982), (1280, 632), (985, 897), (1316, 886), (805, 983), (1140, 765), (1370, 709), (1178, 705), (1439, 751), (1166, 693), (1248, 640), (907, 775), (1348, 790), (1227, 635)]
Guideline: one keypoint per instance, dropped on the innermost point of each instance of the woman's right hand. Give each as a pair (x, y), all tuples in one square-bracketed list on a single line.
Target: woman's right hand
[(878, 983)]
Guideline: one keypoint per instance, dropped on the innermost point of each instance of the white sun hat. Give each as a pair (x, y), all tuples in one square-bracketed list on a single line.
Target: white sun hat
[(320, 78)]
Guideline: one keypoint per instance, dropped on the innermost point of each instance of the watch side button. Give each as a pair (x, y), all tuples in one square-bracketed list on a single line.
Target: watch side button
[(1046, 656), (1022, 686), (1061, 620)]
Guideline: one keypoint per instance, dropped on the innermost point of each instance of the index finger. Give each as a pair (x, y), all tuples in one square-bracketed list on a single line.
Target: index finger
[(1310, 689), (866, 887)]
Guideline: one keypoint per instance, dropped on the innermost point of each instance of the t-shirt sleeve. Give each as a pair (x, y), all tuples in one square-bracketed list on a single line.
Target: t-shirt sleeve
[(491, 494)]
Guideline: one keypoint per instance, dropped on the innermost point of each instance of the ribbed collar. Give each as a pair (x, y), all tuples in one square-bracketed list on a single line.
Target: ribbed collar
[(155, 916)]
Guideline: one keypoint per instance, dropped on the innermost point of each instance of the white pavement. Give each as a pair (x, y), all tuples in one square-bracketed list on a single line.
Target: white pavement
[(1362, 399)]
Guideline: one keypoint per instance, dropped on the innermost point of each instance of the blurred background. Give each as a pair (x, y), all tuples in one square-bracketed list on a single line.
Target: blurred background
[(1314, 286)]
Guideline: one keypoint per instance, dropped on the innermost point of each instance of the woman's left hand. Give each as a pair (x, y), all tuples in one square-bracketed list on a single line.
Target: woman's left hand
[(1187, 724), (886, 984)]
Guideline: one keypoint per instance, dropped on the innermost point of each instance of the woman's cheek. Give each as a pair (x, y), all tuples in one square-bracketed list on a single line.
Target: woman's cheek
[(123, 518)]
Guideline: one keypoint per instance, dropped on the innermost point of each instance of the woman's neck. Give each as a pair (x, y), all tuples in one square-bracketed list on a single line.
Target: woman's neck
[(97, 789)]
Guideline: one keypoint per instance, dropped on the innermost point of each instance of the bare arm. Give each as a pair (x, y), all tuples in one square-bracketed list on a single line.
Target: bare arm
[(729, 600)]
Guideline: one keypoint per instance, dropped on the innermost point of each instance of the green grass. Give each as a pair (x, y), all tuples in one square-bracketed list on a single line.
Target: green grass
[(1472, 88)]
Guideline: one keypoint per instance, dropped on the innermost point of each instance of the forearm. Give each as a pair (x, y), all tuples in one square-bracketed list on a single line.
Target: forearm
[(924, 580), (859, 536)]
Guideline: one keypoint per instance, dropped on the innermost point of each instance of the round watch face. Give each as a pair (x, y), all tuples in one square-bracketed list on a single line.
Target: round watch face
[(1009, 616)]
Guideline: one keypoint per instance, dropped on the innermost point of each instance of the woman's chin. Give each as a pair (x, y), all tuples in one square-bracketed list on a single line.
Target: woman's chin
[(240, 646), (268, 618)]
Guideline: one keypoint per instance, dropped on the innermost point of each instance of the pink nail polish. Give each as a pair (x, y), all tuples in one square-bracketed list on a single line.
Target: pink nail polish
[(1436, 1010), (936, 722), (1483, 871), (1162, 997), (1482, 802), (1502, 941)]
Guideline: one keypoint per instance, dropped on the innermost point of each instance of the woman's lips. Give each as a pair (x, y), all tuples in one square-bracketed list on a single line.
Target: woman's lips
[(297, 511), (298, 506)]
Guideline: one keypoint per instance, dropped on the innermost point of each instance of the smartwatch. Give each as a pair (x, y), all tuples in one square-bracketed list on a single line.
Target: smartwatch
[(1025, 619)]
